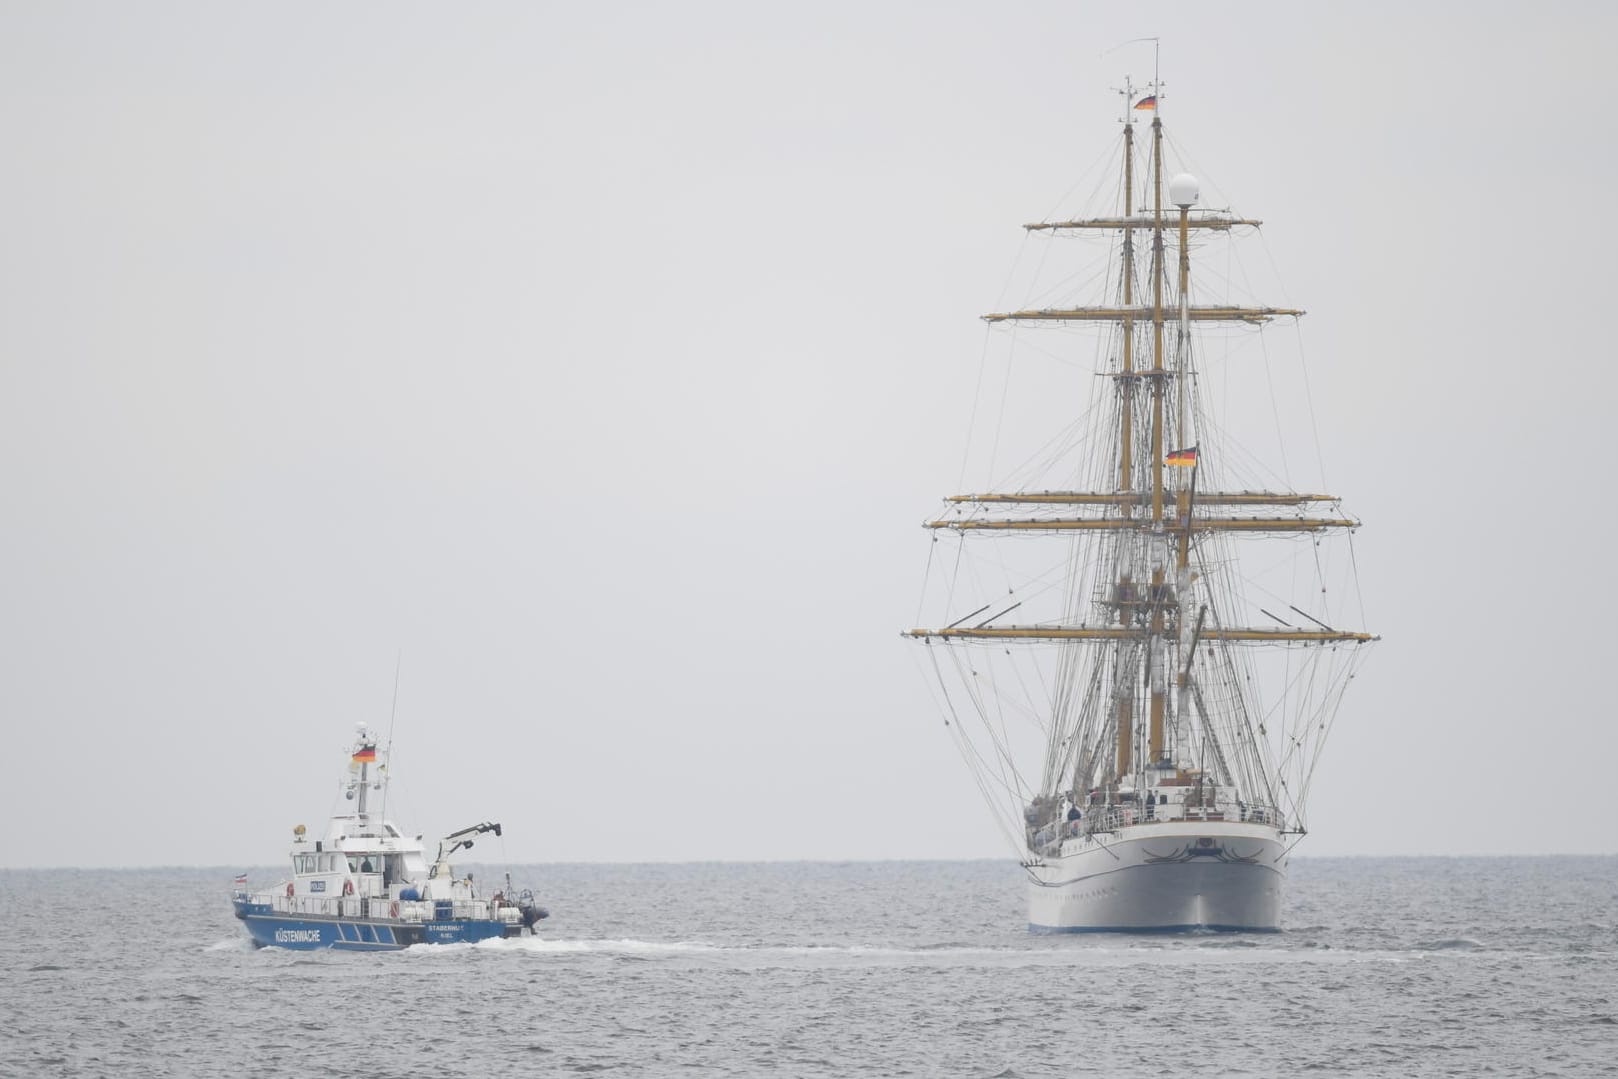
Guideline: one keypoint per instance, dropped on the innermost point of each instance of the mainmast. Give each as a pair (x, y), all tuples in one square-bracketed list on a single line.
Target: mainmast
[(1183, 191), (1155, 655)]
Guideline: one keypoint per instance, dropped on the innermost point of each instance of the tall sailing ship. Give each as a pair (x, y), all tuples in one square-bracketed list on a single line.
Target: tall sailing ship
[(1102, 612)]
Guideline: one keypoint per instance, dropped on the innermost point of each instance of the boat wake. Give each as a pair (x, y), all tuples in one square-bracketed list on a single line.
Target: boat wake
[(1063, 954), (1450, 944)]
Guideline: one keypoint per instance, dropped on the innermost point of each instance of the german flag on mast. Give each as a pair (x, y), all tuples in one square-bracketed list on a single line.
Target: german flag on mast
[(1148, 103), (364, 755), (1186, 458)]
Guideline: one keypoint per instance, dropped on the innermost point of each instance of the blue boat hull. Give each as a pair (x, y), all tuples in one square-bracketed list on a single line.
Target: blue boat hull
[(271, 930)]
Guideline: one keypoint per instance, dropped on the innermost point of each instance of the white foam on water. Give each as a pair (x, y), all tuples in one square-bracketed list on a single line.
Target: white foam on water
[(1057, 956)]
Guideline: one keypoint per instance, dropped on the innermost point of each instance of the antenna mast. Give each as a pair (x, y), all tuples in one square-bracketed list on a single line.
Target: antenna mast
[(393, 716)]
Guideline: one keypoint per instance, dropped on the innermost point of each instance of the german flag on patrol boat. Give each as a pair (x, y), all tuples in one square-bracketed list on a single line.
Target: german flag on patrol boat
[(1186, 458), (365, 755), (1148, 102)]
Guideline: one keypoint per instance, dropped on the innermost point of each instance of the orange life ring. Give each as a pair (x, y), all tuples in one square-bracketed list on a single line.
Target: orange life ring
[(289, 891), (348, 887), (393, 909)]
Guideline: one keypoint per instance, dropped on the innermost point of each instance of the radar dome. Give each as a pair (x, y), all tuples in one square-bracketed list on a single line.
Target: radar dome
[(1183, 190)]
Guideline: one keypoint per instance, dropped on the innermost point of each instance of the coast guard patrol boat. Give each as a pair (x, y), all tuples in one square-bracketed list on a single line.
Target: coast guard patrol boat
[(367, 887)]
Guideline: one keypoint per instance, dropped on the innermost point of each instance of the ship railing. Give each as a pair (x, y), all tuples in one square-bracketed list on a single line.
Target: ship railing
[(383, 907), (1112, 818), (314, 906)]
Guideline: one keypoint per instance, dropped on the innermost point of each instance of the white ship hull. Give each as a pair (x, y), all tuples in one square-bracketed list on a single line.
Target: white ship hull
[(1159, 876)]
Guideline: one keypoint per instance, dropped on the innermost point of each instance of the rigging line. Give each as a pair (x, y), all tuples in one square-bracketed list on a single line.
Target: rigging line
[(1011, 274), (1031, 345), (1063, 441), (1303, 361), (977, 399), (1327, 711), (393, 716), (1312, 701), (1331, 709), (1292, 732), (944, 707), (1002, 743), (976, 770), (1034, 710), (1104, 167), (1309, 403), (1011, 353), (955, 574), (1005, 386), (926, 578), (1094, 731), (1253, 736), (1079, 282), (1000, 418), (1046, 692), (962, 745), (1085, 743), (1122, 44), (336, 799), (1030, 585), (1058, 742), (1002, 749), (1275, 410), (977, 395), (1354, 566), (1320, 579), (1294, 843), (1005, 733)]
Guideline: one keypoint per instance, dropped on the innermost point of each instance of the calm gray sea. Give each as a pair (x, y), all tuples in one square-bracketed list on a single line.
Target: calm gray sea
[(1388, 967)]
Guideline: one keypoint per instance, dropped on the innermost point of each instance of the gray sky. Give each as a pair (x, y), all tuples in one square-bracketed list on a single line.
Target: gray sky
[(603, 360)]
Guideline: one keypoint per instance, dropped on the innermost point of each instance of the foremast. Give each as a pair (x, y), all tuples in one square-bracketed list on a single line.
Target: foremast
[(1123, 698)]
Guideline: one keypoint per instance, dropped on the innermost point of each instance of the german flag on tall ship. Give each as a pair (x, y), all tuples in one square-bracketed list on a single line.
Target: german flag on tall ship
[(1186, 458), (365, 755), (1147, 103)]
